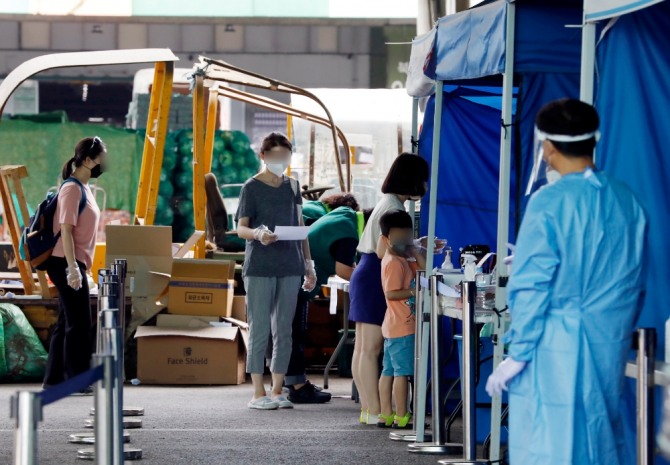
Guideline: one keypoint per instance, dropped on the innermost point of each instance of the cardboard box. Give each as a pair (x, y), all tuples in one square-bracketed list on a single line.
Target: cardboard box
[(240, 308), (149, 253), (146, 248), (201, 288), (185, 321), (214, 356)]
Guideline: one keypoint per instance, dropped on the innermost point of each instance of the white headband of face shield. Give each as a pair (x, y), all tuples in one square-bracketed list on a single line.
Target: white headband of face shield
[(542, 136)]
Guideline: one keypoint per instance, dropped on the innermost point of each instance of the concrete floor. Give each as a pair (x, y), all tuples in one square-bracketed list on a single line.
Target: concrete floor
[(211, 425)]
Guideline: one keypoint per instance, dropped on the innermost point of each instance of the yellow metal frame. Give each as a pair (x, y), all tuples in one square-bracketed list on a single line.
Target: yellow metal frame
[(154, 144), (204, 131), (10, 183), (217, 70), (200, 162)]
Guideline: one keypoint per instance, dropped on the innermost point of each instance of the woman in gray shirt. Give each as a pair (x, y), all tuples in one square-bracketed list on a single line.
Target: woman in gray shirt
[(273, 269)]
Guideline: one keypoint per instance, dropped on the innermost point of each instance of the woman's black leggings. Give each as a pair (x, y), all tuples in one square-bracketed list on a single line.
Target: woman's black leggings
[(71, 346)]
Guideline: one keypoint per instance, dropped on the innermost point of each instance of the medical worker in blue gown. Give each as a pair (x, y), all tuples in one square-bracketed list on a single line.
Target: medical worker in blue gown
[(574, 296)]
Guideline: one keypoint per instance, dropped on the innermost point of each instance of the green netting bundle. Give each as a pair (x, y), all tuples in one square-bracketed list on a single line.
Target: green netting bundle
[(22, 356)]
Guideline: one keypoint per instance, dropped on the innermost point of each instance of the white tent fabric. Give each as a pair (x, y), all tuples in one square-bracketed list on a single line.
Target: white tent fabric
[(418, 84), (597, 10)]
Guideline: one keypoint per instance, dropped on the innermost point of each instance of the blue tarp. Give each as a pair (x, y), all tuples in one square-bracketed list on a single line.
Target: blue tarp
[(471, 44), (467, 205), (632, 98)]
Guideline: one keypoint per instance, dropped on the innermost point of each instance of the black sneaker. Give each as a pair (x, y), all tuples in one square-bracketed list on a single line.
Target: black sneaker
[(308, 394), (87, 391)]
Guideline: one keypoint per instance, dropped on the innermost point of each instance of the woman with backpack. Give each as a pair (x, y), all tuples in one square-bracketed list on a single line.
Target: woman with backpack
[(76, 219)]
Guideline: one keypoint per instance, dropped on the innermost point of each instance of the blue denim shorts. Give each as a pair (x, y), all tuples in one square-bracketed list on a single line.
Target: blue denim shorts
[(399, 356)]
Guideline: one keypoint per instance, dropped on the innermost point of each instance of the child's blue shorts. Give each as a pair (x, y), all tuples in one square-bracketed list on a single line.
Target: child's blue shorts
[(399, 356)]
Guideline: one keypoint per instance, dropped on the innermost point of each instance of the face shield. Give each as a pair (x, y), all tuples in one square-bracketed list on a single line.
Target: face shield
[(542, 173)]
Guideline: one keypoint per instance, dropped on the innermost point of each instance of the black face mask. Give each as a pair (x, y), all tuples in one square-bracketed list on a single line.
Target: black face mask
[(97, 170)]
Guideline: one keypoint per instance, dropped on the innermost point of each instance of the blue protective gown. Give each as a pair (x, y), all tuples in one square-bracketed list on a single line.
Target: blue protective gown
[(574, 296)]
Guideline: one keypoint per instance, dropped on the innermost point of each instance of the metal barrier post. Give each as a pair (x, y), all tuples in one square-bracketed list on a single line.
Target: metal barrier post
[(102, 303), (439, 445), (26, 409), (111, 319), (646, 341), (104, 436), (468, 379)]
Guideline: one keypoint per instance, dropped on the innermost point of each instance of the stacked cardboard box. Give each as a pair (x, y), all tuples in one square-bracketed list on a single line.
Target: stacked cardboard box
[(197, 342)]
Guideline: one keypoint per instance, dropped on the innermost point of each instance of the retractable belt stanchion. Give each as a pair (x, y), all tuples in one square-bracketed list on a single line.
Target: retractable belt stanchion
[(110, 343), (103, 453), (646, 342), (26, 409), (468, 379), (419, 388), (120, 269), (438, 445)]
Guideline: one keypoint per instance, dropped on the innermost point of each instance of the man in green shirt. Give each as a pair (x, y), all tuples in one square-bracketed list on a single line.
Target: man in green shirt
[(333, 239), (312, 210)]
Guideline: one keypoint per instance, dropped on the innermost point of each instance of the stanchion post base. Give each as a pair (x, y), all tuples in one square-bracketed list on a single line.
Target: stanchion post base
[(462, 462), (89, 438), (408, 437), (128, 423), (127, 411), (435, 449), (128, 454)]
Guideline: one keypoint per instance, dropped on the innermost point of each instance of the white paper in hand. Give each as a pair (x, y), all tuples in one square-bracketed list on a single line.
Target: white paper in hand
[(291, 233)]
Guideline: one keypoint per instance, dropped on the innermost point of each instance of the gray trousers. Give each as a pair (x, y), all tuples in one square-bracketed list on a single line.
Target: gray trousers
[(270, 310)]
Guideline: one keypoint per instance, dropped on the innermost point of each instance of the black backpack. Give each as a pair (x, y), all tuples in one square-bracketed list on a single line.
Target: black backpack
[(38, 239)]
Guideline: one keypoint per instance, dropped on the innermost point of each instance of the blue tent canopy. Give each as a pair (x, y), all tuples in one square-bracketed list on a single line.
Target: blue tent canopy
[(472, 44), (469, 54)]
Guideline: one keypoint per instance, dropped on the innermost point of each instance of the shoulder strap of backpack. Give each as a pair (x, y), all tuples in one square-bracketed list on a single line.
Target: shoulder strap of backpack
[(82, 202)]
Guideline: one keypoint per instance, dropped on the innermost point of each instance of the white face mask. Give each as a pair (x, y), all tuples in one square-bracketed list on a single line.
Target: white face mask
[(277, 168), (553, 176)]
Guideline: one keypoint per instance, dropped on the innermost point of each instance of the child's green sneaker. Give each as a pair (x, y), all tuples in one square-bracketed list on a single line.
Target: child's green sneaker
[(363, 418), (385, 421), (403, 422)]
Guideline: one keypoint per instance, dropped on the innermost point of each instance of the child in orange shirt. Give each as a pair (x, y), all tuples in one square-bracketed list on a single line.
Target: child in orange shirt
[(398, 277)]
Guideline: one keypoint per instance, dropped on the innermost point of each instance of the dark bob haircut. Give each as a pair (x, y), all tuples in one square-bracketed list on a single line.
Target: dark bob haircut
[(398, 219), (408, 175)]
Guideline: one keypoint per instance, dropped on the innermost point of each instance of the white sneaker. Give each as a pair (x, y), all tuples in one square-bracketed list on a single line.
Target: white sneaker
[(283, 402), (263, 403)]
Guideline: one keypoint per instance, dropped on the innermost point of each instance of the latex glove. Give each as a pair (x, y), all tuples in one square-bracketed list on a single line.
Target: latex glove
[(438, 248), (74, 277), (264, 235), (310, 276), (510, 258), (506, 371)]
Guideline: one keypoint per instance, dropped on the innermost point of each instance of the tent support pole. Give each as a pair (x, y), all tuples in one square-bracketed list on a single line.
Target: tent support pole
[(503, 214), (420, 414), (434, 171), (588, 62), (415, 135)]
